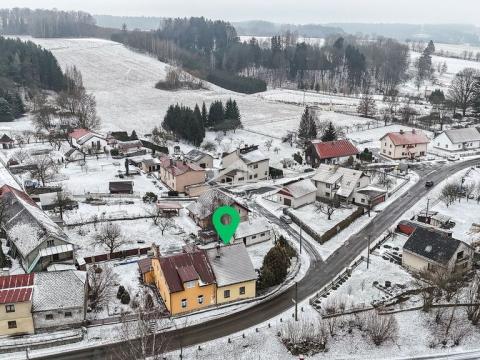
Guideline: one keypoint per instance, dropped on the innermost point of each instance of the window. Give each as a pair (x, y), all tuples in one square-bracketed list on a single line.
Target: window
[(226, 294), (49, 317), (262, 234), (362, 200), (12, 324), (250, 177), (266, 173), (327, 186), (403, 146), (327, 194), (255, 166), (50, 243), (438, 144), (241, 179), (254, 237), (242, 290), (459, 255), (255, 176), (200, 299), (10, 308), (459, 146), (68, 314), (184, 303)]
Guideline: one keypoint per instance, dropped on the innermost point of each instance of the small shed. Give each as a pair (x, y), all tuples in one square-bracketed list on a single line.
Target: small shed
[(169, 208), (121, 187), (6, 142), (146, 270)]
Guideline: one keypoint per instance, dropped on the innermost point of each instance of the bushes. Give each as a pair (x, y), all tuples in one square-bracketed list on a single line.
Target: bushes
[(114, 152), (150, 197), (237, 83), (123, 295), (275, 264)]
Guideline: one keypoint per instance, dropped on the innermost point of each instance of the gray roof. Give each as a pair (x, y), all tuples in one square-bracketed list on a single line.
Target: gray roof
[(27, 225), (253, 157), (432, 244), (300, 188), (196, 155), (59, 290), (252, 227), (458, 136), (207, 203), (232, 266)]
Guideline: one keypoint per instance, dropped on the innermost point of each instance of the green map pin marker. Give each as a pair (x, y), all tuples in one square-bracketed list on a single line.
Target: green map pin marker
[(226, 231)]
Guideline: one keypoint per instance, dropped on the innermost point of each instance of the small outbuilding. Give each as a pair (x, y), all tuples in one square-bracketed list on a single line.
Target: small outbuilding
[(6, 142), (121, 187)]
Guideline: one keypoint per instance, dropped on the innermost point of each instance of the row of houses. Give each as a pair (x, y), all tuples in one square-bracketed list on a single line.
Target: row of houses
[(42, 301), (196, 279)]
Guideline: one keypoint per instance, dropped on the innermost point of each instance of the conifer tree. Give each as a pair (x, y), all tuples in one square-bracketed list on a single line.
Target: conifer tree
[(216, 114), (204, 114), (307, 129), (6, 113), (330, 133)]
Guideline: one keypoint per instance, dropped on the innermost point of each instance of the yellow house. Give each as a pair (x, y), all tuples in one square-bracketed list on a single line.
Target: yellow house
[(16, 304), (185, 281), (234, 273)]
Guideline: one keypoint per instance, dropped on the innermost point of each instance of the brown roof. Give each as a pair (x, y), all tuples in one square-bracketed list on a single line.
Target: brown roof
[(145, 265), (5, 139), (121, 185), (178, 167), (407, 137), (184, 267), (335, 149)]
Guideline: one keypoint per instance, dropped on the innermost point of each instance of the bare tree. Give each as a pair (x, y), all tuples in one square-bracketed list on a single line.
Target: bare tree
[(367, 107), (110, 236), (463, 87), (20, 155), (326, 208), (165, 224), (45, 169), (385, 180), (381, 328), (101, 280), (141, 333), (268, 144), (449, 194), (304, 334)]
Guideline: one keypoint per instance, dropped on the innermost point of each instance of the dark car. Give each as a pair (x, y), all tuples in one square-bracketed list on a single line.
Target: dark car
[(429, 183)]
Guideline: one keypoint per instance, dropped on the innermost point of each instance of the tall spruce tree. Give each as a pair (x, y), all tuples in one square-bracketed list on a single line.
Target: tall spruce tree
[(6, 113), (216, 114), (232, 116), (330, 133), (308, 129), (204, 114)]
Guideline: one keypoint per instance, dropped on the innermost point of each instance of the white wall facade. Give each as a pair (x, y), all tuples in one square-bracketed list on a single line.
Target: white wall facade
[(443, 142)]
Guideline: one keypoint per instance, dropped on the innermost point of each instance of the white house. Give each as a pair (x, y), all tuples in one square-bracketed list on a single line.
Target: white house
[(297, 193), (59, 299), (88, 140), (244, 165), (199, 158), (458, 140), (253, 232), (74, 154), (404, 144), (333, 181)]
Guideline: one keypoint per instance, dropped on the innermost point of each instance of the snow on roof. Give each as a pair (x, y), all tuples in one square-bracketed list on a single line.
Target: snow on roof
[(300, 188), (334, 149), (5, 139), (207, 203), (59, 290), (331, 174), (195, 155), (16, 281), (78, 133), (407, 137), (16, 295), (88, 137), (231, 264), (26, 224), (178, 167), (458, 136), (253, 157), (253, 227)]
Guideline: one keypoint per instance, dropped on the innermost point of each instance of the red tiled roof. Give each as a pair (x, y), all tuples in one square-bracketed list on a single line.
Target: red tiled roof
[(16, 281), (334, 149), (20, 194), (15, 295), (407, 137), (179, 268), (78, 133)]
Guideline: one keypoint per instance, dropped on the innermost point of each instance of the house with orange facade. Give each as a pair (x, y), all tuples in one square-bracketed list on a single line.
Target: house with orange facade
[(185, 281)]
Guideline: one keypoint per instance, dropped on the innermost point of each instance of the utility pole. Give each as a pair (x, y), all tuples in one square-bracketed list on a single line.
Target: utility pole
[(428, 205), (296, 301), (368, 252)]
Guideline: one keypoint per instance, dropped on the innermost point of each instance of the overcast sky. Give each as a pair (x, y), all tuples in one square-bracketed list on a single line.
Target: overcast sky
[(291, 11)]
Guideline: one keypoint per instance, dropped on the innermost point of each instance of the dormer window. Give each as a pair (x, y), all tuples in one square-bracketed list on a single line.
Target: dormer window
[(190, 284)]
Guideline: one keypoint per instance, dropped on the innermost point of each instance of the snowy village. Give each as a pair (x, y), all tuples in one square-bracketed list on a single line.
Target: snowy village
[(352, 161)]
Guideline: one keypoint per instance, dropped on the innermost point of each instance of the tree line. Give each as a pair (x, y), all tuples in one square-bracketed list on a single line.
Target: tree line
[(47, 23), (190, 124), (24, 68)]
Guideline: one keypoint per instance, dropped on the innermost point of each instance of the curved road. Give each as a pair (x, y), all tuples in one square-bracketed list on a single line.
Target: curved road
[(319, 274)]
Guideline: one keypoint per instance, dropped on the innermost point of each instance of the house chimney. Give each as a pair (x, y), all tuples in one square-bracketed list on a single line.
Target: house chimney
[(402, 132), (414, 131), (218, 251)]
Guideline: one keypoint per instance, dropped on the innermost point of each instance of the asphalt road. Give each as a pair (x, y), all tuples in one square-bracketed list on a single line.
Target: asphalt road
[(319, 274)]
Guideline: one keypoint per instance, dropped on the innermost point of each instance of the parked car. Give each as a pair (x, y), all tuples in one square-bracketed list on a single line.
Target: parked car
[(453, 157), (428, 183), (286, 219)]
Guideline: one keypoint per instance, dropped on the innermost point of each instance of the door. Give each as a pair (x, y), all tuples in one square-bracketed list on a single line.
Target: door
[(287, 202)]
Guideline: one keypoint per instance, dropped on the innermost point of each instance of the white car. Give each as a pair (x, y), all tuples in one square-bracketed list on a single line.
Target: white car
[(453, 157)]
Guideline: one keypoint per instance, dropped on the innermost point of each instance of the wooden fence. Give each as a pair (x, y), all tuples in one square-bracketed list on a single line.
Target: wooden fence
[(115, 255)]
